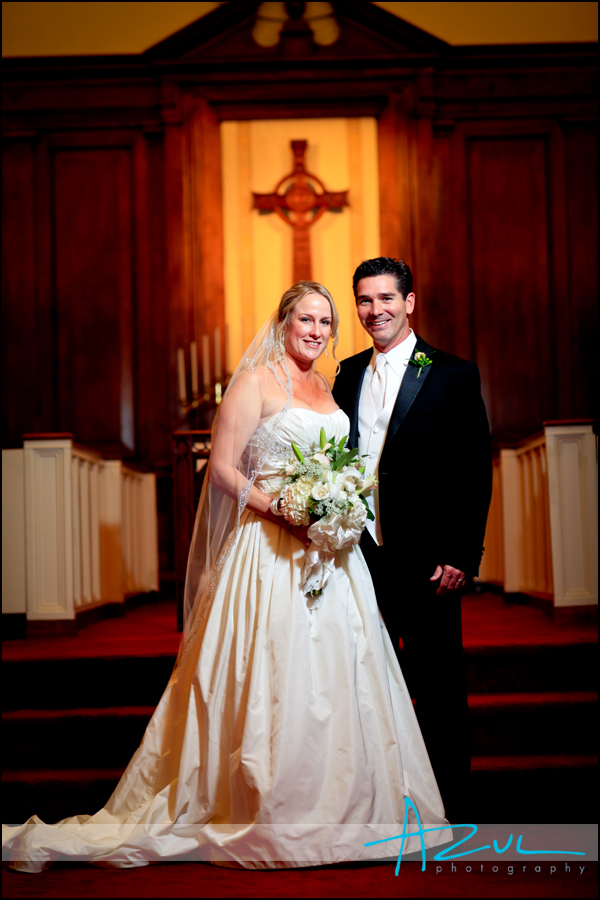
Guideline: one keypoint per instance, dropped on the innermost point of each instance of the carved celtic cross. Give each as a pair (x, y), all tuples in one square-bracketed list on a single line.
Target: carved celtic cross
[(300, 204)]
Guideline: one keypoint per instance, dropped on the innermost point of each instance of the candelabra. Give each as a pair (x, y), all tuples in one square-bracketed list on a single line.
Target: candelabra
[(211, 393)]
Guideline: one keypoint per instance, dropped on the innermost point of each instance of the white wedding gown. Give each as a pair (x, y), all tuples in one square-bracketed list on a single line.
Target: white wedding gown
[(287, 736)]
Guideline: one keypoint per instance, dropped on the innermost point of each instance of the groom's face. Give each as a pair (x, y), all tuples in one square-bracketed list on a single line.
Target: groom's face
[(383, 311)]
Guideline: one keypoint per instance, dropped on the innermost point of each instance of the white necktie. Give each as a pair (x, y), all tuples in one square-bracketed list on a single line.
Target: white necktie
[(378, 381)]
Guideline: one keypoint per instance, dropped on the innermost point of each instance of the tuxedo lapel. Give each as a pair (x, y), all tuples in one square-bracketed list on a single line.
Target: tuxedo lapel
[(353, 437), (410, 387)]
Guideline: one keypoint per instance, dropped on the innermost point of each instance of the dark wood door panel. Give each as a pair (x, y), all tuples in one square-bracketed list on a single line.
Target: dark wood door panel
[(582, 307), (509, 224), (27, 357), (93, 283)]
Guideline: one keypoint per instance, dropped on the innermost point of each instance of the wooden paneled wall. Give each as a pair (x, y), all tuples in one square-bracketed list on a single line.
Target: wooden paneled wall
[(113, 241), (84, 302), (503, 244)]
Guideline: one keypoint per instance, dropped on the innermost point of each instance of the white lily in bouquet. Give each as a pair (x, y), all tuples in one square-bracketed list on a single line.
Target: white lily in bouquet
[(325, 491)]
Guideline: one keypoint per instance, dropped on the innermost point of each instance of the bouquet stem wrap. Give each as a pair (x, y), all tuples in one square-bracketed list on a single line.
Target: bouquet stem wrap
[(331, 533)]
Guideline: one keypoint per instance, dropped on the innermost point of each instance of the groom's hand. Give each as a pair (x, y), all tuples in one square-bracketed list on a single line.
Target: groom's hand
[(452, 579)]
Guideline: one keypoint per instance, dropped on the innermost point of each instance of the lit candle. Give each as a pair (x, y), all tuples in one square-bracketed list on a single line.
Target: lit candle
[(181, 374), (218, 366), (194, 362), (205, 361)]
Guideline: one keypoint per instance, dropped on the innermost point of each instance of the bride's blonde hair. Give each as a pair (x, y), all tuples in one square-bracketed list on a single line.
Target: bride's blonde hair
[(292, 298)]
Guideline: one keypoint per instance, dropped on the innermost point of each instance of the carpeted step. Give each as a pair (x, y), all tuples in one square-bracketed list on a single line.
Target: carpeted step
[(66, 738), (548, 722), (54, 794), (531, 667), (504, 789), (536, 788), (72, 683), (86, 700), (100, 737)]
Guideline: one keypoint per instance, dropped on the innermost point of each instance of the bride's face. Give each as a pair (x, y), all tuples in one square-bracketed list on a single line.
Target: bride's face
[(309, 328)]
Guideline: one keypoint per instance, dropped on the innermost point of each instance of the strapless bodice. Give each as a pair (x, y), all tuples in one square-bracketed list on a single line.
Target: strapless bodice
[(271, 443)]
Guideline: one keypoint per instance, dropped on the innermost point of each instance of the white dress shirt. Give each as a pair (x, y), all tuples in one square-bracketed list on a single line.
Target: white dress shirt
[(373, 424)]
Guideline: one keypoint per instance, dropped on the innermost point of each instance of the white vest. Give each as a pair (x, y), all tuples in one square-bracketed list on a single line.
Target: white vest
[(372, 427)]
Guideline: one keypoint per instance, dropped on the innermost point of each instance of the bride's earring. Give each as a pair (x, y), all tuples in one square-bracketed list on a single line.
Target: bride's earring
[(326, 352)]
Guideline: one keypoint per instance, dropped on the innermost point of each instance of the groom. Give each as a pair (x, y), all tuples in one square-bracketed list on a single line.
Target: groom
[(417, 415)]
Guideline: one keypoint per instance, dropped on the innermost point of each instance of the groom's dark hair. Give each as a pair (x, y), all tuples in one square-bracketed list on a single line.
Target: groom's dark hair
[(385, 265)]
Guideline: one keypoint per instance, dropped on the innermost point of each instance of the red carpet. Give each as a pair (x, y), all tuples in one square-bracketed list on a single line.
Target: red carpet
[(532, 701), (150, 630), (147, 630), (375, 880)]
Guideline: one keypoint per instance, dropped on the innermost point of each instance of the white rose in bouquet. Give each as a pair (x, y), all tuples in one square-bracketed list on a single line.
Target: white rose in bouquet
[(319, 492)]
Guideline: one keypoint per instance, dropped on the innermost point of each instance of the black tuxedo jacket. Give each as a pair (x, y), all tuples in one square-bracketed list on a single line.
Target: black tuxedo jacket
[(435, 471)]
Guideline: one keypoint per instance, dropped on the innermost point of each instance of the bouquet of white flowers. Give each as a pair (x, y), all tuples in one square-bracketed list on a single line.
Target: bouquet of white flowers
[(326, 490)]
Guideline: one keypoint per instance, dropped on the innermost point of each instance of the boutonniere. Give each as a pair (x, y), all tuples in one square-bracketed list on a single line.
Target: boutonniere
[(420, 360)]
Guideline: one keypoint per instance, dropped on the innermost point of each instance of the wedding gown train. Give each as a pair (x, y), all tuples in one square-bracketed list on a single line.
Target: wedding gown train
[(286, 737)]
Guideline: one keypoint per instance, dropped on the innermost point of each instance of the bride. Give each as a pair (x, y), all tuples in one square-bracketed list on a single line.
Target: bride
[(286, 736)]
